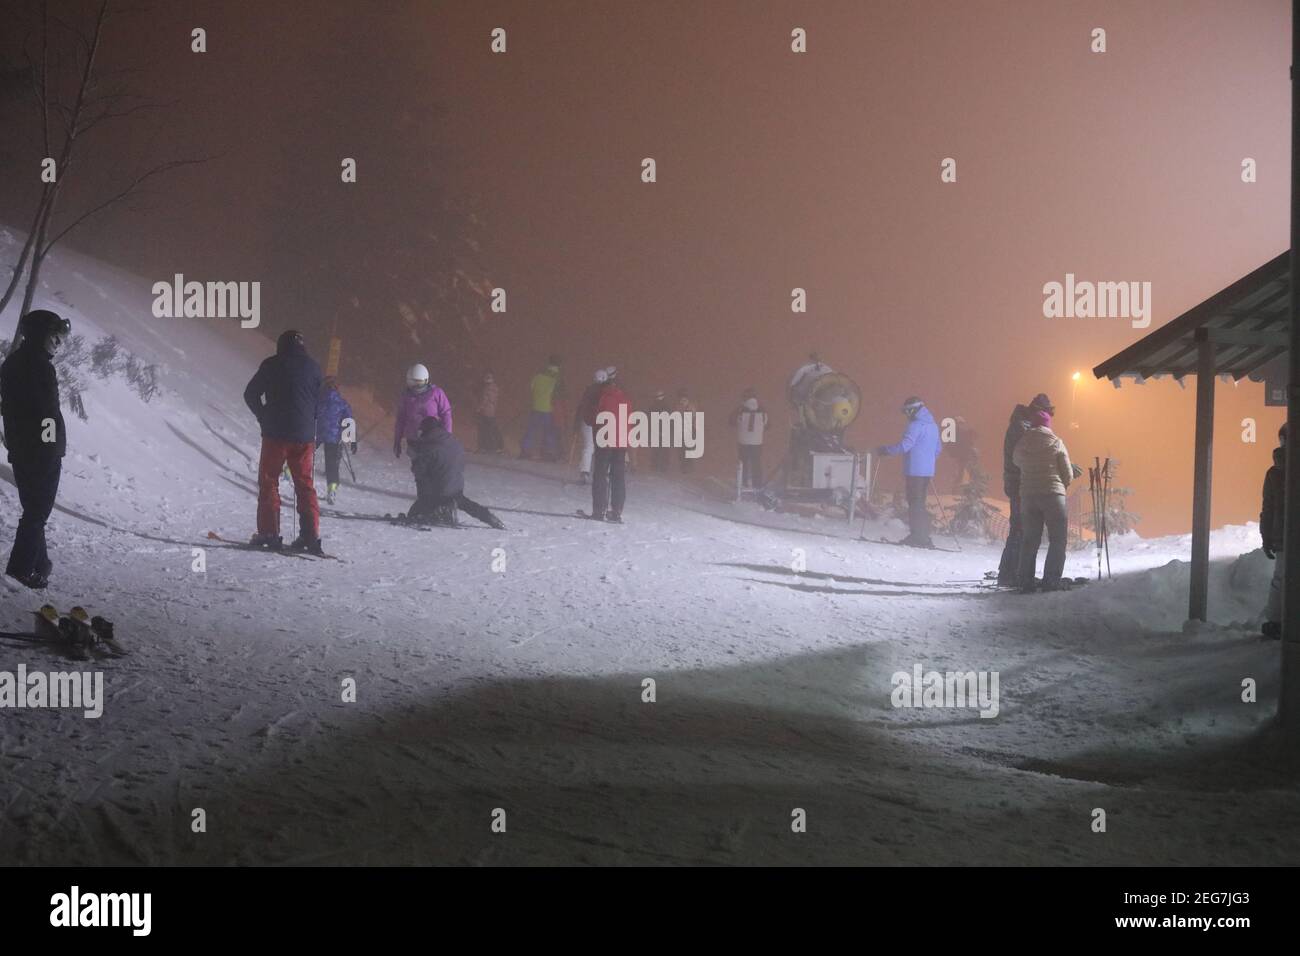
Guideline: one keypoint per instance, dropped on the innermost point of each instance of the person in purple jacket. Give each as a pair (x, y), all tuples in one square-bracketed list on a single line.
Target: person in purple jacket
[(920, 448), (421, 400)]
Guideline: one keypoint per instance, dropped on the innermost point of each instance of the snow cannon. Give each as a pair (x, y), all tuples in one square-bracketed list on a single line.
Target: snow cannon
[(820, 470), (829, 404)]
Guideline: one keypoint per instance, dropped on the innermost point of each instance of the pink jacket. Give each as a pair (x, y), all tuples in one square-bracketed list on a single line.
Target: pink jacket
[(415, 407)]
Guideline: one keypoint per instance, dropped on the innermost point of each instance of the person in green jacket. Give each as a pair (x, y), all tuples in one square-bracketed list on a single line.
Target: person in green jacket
[(541, 428)]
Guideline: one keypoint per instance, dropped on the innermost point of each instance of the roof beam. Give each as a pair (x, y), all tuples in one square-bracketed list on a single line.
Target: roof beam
[(1235, 337)]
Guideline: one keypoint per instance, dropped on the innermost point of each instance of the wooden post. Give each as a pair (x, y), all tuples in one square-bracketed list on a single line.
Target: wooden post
[(1199, 594)]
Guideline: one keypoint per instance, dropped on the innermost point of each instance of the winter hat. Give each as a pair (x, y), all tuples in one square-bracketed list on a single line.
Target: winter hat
[(1040, 418), (288, 339), (751, 403), (1041, 401), (601, 375), (39, 323), (487, 377), (611, 372)]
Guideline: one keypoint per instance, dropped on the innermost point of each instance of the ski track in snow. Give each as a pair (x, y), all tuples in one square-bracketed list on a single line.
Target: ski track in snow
[(522, 690)]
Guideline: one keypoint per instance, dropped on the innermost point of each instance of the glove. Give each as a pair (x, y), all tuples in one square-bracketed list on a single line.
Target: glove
[(397, 449), (353, 449), (880, 450), (1270, 554), (1076, 470)]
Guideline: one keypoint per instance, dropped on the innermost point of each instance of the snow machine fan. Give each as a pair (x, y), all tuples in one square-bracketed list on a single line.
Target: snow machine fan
[(828, 406)]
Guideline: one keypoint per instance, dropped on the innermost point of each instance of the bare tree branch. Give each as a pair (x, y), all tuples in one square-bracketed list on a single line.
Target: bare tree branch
[(119, 196)]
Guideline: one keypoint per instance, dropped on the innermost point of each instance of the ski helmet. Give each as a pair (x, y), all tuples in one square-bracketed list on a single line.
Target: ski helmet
[(417, 376), (611, 372), (601, 375), (912, 405), (288, 339)]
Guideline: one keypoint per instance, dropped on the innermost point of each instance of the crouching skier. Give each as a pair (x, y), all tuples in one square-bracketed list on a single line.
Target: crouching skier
[(438, 464), (282, 396)]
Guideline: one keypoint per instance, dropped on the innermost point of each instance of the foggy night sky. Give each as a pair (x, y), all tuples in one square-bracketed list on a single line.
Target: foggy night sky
[(775, 170)]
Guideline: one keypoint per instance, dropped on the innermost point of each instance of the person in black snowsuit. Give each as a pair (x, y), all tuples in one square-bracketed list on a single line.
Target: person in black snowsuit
[(35, 437), (1019, 424), (1272, 523), (438, 464)]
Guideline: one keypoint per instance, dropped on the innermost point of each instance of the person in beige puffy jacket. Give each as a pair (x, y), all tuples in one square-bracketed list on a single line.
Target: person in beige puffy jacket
[(1045, 474)]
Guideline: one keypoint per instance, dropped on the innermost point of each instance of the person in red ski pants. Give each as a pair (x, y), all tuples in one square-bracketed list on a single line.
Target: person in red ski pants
[(283, 395), (299, 456)]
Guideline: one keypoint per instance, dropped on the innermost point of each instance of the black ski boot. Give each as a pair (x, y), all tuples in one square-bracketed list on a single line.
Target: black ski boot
[(614, 517), (272, 542), (304, 542)]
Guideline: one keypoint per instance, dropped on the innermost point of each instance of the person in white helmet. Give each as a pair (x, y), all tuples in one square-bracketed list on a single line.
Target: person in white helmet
[(585, 405), (421, 400)]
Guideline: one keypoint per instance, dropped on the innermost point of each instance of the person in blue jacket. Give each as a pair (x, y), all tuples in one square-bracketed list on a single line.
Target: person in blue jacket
[(332, 409), (920, 447)]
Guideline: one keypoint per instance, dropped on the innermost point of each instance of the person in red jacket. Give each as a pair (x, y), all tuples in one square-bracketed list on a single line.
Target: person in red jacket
[(609, 462)]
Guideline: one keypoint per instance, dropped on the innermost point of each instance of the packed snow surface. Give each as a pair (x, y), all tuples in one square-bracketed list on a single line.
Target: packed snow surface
[(500, 677)]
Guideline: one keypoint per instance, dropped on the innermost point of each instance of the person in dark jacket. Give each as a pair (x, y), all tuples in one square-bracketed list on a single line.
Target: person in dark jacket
[(331, 412), (1272, 524), (1019, 423), (438, 464), (659, 455), (35, 437), (282, 395)]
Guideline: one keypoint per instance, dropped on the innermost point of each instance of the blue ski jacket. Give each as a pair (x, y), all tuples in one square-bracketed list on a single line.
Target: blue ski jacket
[(920, 444), (330, 412)]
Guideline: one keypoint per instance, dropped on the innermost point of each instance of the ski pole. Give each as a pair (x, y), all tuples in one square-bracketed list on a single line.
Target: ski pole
[(944, 512), (871, 489), (347, 458), (1105, 513)]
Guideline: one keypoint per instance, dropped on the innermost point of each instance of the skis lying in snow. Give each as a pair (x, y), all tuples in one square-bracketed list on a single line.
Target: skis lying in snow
[(286, 552), (402, 521), (1067, 584), (76, 633), (903, 544)]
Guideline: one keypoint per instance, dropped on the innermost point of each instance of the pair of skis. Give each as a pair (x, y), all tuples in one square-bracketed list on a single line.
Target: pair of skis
[(286, 552), (1099, 476), (78, 633)]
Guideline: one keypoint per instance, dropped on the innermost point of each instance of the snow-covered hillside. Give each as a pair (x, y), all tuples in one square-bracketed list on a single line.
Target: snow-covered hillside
[(520, 688)]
